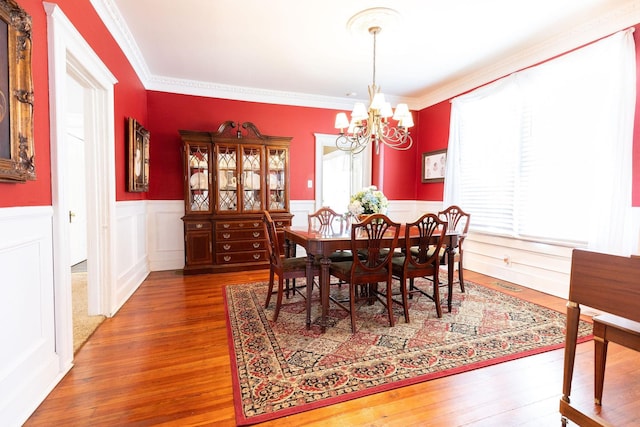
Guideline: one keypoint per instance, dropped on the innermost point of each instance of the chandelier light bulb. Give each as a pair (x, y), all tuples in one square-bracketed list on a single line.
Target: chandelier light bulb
[(359, 112), (341, 121), (378, 101), (402, 111)]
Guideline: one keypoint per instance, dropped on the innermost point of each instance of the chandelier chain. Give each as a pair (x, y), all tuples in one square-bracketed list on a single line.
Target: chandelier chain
[(374, 30)]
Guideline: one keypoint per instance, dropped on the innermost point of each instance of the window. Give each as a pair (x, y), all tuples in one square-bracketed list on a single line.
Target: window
[(545, 154)]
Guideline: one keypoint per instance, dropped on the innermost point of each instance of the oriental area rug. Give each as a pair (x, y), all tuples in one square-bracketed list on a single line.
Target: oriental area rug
[(281, 368)]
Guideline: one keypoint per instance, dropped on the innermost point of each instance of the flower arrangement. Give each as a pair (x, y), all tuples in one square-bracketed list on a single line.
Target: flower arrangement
[(368, 201)]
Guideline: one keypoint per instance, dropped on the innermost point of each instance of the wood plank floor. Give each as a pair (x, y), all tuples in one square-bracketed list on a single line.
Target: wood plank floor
[(163, 360)]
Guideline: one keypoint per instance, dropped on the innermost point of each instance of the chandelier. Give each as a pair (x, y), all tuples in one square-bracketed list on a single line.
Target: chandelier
[(373, 125)]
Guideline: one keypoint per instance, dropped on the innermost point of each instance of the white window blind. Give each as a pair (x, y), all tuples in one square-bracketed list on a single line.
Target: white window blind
[(545, 153)]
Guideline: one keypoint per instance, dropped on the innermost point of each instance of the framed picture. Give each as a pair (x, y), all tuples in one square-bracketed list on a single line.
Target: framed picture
[(16, 95), (138, 141), (433, 164)]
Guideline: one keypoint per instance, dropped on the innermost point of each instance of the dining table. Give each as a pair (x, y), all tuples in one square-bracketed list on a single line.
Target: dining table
[(320, 244)]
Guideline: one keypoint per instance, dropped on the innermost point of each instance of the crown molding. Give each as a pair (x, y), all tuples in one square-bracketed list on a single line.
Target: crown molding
[(115, 23), (240, 93), (615, 18), (625, 15)]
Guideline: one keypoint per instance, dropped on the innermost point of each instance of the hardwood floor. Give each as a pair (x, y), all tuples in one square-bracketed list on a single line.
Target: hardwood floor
[(163, 360)]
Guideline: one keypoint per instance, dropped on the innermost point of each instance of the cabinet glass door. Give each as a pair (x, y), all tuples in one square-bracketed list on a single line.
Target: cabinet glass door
[(252, 179), (276, 178), (227, 188), (198, 175)]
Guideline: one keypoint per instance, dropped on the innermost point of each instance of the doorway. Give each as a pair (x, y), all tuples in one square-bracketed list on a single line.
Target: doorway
[(71, 58), (339, 174), (85, 322)]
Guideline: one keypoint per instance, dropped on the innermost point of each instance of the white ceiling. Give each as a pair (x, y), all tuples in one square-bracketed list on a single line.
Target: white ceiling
[(301, 52)]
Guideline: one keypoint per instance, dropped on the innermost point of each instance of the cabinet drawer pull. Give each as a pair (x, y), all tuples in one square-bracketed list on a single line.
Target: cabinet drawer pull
[(256, 234), (256, 245), (227, 258), (256, 224), (226, 225), (226, 235), (227, 247), (256, 256), (279, 223), (199, 225)]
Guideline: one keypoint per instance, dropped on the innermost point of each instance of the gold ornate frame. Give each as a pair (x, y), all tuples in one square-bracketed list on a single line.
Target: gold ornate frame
[(138, 142), (16, 95)]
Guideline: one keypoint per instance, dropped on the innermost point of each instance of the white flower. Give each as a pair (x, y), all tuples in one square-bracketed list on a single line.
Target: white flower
[(368, 201)]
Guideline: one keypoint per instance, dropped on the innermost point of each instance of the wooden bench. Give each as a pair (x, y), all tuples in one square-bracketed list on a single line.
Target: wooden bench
[(610, 284), (607, 327)]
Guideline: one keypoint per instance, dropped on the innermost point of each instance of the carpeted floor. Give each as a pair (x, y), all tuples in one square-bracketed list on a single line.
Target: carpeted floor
[(83, 324), (281, 368)]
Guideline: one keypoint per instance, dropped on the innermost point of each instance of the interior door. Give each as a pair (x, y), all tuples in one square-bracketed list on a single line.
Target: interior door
[(76, 185)]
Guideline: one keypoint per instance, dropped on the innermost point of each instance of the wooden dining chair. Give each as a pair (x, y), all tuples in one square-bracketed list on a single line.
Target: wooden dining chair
[(421, 260), (327, 221), (284, 268), (379, 236), (457, 220)]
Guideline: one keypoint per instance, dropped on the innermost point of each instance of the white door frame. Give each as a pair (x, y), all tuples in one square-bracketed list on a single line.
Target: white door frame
[(70, 54)]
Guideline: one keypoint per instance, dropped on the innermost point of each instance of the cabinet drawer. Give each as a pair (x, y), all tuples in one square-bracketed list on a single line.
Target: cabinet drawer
[(239, 225), (199, 225), (282, 222), (241, 246), (236, 257), (234, 235)]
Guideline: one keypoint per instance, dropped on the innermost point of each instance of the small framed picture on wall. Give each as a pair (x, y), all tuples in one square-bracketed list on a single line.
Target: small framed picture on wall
[(433, 166), (138, 141)]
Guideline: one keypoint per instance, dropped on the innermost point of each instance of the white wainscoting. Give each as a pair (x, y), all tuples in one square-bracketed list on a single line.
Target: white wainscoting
[(132, 262), (29, 365), (539, 266), (166, 234), (409, 210), (30, 362), (300, 209)]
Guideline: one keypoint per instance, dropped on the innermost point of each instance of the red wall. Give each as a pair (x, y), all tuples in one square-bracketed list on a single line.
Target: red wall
[(170, 112), (130, 99), (434, 135), (35, 193), (396, 173)]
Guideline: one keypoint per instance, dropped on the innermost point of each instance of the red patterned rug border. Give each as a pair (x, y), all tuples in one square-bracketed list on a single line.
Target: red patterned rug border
[(241, 420)]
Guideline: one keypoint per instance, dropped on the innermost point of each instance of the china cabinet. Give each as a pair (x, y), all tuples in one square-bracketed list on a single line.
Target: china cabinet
[(230, 177)]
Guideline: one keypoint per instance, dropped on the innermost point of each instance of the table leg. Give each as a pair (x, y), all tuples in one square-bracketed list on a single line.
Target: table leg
[(450, 271), (310, 260), (325, 279)]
